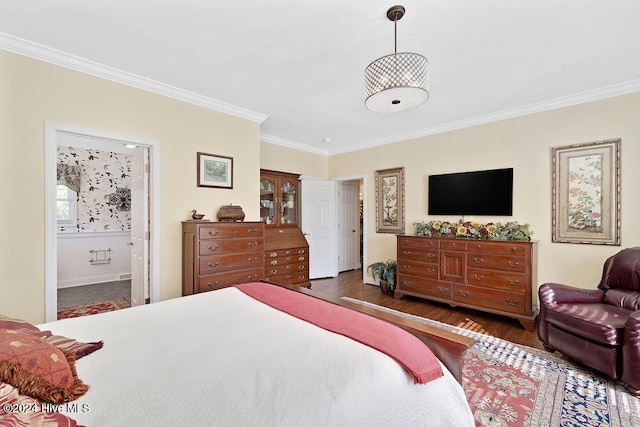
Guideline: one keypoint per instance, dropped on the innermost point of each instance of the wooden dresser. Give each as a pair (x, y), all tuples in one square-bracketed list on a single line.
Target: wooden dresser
[(493, 276), (286, 260), (220, 254)]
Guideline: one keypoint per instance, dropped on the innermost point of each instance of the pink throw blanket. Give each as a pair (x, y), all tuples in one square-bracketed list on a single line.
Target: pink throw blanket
[(395, 342)]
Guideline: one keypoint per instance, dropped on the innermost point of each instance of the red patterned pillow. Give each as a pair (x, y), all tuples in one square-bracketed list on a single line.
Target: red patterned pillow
[(63, 343), (37, 368)]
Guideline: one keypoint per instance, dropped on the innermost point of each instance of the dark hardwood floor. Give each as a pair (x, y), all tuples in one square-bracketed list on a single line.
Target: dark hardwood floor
[(350, 284)]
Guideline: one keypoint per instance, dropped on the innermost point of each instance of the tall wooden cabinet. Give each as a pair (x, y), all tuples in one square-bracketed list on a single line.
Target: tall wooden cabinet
[(220, 254), (286, 249), (494, 276)]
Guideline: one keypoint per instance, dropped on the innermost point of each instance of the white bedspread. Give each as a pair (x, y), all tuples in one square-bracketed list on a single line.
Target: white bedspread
[(224, 359)]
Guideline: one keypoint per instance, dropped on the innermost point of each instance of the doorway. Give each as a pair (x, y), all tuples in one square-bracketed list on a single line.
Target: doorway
[(144, 219)]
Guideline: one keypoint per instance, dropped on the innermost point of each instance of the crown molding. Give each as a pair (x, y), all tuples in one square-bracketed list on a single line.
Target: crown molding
[(566, 101), (292, 144), (53, 56)]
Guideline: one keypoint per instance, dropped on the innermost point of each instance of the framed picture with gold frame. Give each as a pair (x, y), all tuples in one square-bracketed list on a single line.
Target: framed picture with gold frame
[(390, 201), (586, 193)]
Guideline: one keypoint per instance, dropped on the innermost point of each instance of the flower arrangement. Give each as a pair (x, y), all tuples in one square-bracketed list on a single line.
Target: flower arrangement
[(474, 230)]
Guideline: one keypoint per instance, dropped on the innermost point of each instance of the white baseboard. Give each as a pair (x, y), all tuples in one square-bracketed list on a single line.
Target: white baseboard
[(93, 280)]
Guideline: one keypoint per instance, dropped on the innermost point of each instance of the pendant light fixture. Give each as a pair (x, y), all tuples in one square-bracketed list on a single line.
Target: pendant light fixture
[(396, 82)]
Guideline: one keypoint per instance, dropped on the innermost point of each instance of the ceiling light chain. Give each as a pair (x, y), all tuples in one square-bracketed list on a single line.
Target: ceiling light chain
[(396, 82)]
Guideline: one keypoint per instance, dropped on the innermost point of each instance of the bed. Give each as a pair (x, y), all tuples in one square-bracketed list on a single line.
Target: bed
[(226, 358)]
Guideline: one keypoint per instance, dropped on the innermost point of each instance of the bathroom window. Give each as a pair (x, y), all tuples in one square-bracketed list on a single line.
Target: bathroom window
[(66, 201)]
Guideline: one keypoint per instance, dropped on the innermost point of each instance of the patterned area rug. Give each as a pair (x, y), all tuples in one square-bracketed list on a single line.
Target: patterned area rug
[(511, 384), (99, 307)]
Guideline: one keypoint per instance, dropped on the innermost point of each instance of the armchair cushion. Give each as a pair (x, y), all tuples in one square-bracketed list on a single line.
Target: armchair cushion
[(601, 323), (629, 300)]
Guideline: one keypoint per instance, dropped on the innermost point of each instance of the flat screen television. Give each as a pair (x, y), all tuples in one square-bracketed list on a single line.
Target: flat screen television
[(487, 192)]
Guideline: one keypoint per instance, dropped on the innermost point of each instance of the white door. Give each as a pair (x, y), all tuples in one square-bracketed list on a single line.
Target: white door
[(319, 226), (139, 227), (347, 209)]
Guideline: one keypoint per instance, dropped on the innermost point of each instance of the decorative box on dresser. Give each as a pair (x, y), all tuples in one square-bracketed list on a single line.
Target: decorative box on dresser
[(220, 254), (286, 249), (492, 276)]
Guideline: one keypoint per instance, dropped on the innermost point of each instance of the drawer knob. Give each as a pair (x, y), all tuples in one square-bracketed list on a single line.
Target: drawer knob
[(274, 271), (210, 264), (431, 256), (214, 248), (406, 252), (254, 259), (253, 231), (513, 264), (213, 286), (463, 293), (442, 289), (274, 262), (512, 302), (301, 267), (273, 254), (513, 248), (213, 233), (431, 270), (406, 282), (478, 276), (301, 251), (478, 260), (408, 267), (513, 282), (253, 244)]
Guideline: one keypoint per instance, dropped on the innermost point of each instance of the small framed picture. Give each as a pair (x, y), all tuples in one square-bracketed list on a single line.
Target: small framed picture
[(390, 201), (215, 171)]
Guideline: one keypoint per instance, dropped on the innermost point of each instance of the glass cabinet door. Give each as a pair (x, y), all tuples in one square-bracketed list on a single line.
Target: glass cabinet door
[(289, 203), (267, 201)]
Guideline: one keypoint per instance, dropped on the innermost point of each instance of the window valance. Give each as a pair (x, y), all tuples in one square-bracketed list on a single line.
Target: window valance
[(69, 175)]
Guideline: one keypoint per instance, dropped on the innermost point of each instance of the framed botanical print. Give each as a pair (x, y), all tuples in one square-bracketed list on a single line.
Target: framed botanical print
[(586, 193), (215, 171), (390, 201)]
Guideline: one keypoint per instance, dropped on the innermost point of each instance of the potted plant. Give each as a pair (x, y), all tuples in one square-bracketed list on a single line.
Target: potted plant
[(385, 272)]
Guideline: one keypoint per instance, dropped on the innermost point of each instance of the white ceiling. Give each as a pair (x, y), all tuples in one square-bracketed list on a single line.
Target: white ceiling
[(301, 63)]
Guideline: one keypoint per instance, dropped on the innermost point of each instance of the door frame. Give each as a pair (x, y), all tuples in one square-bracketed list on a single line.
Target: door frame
[(362, 178), (52, 133)]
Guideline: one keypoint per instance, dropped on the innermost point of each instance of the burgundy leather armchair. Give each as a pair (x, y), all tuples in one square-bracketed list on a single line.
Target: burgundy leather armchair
[(599, 328)]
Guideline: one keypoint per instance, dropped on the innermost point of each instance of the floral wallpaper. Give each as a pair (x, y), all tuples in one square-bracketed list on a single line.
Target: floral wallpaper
[(104, 200)]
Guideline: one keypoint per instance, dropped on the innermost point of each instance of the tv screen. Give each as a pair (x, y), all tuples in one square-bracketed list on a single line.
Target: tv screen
[(488, 192)]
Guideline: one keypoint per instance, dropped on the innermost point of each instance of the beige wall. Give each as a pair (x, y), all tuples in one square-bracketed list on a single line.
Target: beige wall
[(284, 159), (32, 92), (522, 143)]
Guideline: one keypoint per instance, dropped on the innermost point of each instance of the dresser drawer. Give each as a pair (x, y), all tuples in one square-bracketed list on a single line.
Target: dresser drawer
[(498, 248), (424, 286), (416, 254), (276, 270), (217, 231), (286, 252), (497, 262), (421, 269), (497, 279), (511, 302), (244, 244), (456, 245), (285, 260), (289, 278), (212, 282), (214, 263), (419, 242)]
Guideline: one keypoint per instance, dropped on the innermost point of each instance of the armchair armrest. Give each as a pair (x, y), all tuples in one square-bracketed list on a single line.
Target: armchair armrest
[(556, 293), (631, 352)]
